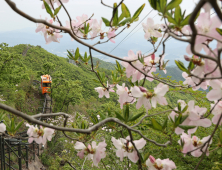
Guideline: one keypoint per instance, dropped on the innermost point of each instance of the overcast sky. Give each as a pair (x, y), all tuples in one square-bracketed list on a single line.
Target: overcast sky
[(9, 20)]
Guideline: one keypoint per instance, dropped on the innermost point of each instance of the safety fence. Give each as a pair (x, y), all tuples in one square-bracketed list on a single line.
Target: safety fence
[(16, 154)]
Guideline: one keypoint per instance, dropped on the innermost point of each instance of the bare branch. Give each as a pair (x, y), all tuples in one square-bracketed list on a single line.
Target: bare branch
[(105, 4), (85, 131)]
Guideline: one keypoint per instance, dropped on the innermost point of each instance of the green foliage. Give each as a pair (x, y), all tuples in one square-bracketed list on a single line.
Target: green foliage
[(137, 13), (73, 91), (219, 31), (12, 128), (115, 15), (48, 9)]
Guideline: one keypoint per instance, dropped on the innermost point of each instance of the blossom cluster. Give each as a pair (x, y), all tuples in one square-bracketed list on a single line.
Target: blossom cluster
[(124, 148), (39, 135), (144, 96)]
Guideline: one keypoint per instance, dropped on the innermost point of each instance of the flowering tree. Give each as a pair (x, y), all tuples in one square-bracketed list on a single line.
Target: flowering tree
[(204, 71)]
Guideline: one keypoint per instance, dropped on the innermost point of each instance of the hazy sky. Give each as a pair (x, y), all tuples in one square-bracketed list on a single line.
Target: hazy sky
[(9, 20)]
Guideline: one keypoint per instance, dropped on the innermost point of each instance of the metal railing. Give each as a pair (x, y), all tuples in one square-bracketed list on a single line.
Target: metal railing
[(16, 148)]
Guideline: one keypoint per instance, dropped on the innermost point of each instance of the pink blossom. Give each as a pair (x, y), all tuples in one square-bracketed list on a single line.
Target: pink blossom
[(157, 164), (207, 7), (131, 71), (154, 60), (39, 135), (216, 92), (103, 91), (111, 33), (81, 21), (206, 25), (123, 93), (217, 111), (52, 35), (42, 27), (192, 81), (2, 128), (96, 28), (190, 144), (150, 29), (159, 93), (94, 152), (144, 96), (194, 118), (125, 148), (74, 24)]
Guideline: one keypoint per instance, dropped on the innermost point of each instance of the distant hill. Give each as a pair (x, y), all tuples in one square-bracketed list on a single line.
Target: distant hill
[(174, 72)]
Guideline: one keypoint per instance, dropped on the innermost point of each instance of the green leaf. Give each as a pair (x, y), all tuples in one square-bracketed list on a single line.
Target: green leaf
[(70, 53), (119, 116), (184, 127), (125, 12), (179, 106), (191, 66), (18, 126), (178, 120), (109, 112), (125, 21), (85, 56), (57, 10), (184, 109), (97, 81), (156, 125), (186, 20), (219, 31), (184, 118), (136, 117), (219, 151), (220, 137), (137, 13), (85, 28), (102, 116), (8, 128), (77, 54), (106, 21), (126, 112), (12, 124), (162, 5), (48, 9), (153, 3), (171, 19), (115, 15), (94, 119), (165, 123), (173, 4), (181, 66), (178, 15)]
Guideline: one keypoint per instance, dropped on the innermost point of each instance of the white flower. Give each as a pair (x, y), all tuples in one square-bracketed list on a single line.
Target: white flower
[(150, 29)]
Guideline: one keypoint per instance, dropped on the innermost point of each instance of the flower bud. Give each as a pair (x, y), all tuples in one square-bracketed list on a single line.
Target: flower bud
[(153, 56), (142, 89), (152, 159), (187, 58)]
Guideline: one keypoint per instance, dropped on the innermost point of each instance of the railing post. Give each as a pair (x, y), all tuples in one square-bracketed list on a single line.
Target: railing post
[(38, 149), (1, 152), (27, 157), (19, 156), (33, 144), (9, 158)]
